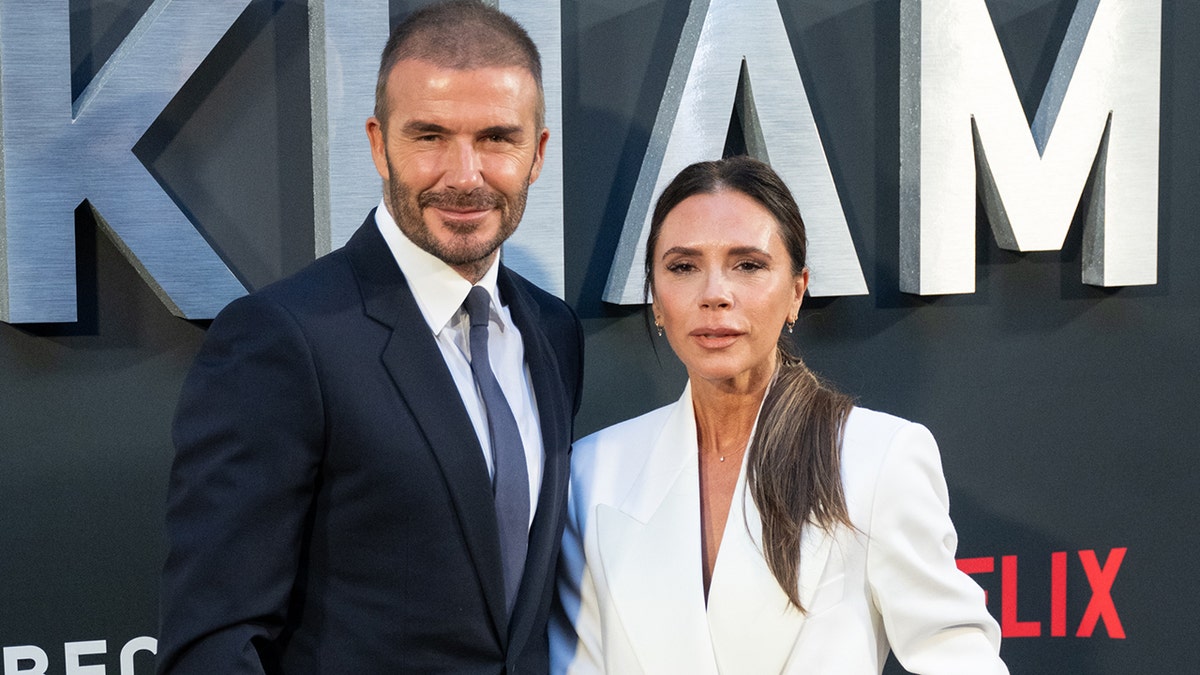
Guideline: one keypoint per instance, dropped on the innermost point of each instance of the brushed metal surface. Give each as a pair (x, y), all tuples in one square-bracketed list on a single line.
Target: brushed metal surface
[(345, 40), (57, 152), (963, 131), (536, 248), (693, 118)]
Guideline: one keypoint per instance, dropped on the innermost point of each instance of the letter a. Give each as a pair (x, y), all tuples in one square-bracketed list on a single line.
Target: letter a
[(724, 43)]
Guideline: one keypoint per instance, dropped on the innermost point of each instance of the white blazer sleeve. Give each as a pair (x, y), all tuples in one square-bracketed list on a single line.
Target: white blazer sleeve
[(934, 616)]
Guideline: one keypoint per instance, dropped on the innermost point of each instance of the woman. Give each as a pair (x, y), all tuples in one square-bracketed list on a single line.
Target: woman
[(762, 523)]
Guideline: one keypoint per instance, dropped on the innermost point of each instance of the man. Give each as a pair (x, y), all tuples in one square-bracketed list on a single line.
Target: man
[(350, 493)]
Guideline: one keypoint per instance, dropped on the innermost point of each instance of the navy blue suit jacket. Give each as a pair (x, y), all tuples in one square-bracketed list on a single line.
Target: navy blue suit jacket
[(329, 508)]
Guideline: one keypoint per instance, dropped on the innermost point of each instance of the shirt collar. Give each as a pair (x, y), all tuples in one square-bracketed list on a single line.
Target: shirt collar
[(439, 290)]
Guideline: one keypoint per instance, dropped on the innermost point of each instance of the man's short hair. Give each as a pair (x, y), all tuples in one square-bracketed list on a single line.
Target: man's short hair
[(460, 35)]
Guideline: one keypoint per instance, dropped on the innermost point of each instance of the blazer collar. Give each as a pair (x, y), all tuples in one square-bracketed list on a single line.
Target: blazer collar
[(651, 554), (419, 373), (554, 415), (416, 366)]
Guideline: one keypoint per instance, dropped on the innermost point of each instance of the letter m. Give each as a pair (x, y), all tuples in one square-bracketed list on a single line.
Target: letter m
[(963, 131)]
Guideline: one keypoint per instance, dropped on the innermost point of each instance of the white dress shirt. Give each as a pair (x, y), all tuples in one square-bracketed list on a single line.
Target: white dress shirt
[(440, 292)]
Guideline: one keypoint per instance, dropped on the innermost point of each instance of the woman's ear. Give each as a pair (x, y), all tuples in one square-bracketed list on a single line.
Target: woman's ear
[(801, 285)]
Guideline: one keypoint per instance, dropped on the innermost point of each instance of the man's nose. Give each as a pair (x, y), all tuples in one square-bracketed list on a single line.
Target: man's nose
[(464, 170)]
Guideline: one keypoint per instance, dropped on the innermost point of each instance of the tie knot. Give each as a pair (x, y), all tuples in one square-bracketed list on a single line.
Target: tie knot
[(478, 303)]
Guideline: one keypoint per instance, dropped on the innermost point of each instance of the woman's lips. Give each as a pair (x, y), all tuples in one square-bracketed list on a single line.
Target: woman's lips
[(715, 337)]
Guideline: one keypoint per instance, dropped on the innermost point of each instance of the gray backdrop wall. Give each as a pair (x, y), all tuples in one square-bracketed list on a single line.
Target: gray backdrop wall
[(1066, 414)]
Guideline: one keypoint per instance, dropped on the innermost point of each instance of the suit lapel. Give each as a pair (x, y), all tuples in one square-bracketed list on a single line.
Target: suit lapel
[(419, 372), (554, 415), (744, 599), (650, 552)]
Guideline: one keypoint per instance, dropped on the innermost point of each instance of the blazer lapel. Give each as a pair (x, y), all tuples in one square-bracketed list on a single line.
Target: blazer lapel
[(554, 416), (754, 626), (419, 372), (650, 553)]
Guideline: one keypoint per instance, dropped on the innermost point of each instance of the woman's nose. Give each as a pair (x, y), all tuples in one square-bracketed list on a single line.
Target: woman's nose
[(716, 293)]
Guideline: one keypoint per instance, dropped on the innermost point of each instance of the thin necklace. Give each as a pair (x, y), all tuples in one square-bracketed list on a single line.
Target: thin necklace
[(721, 458)]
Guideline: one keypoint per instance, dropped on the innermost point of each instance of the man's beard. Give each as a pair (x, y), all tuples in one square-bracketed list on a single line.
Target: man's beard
[(462, 249)]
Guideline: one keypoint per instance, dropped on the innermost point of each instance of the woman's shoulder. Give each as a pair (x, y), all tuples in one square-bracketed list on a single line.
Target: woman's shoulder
[(871, 436), (867, 422), (604, 463), (641, 430)]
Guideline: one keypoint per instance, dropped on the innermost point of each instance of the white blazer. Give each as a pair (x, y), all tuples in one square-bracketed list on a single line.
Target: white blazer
[(630, 593)]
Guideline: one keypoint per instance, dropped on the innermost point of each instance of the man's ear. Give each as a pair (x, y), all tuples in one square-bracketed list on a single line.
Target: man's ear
[(539, 157), (378, 146)]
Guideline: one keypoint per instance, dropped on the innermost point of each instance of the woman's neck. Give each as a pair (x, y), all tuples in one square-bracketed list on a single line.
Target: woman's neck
[(725, 413)]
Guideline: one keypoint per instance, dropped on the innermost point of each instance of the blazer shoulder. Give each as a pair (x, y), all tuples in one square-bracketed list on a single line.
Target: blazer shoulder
[(328, 285), (873, 421), (879, 450), (632, 436), (872, 438), (313, 283)]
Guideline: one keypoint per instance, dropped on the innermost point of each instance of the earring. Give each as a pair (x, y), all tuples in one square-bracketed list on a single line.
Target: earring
[(790, 325), (660, 329)]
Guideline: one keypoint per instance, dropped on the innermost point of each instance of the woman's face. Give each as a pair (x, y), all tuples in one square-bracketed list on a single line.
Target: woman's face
[(723, 287)]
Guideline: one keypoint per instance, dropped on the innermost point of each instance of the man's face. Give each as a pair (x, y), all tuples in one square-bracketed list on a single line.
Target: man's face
[(460, 151)]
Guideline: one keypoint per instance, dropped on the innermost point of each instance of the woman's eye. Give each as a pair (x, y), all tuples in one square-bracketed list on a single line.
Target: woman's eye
[(750, 266), (680, 267)]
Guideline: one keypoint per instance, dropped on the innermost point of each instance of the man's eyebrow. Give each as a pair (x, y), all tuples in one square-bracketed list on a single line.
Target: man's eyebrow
[(501, 130), (416, 128), (419, 128)]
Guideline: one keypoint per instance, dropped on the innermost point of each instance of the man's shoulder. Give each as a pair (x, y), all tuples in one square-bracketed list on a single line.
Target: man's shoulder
[(328, 286), (313, 280)]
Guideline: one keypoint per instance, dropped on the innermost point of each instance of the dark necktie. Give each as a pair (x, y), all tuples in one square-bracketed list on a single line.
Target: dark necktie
[(510, 480)]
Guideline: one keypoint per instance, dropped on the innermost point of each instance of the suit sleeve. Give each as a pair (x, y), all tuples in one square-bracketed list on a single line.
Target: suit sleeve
[(248, 445), (934, 615)]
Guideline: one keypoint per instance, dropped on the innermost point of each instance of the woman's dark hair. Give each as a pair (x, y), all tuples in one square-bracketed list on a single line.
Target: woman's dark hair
[(793, 470)]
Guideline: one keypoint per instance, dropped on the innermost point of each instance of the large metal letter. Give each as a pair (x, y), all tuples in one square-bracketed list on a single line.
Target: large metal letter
[(721, 41), (960, 115), (57, 153), (345, 39), (536, 248)]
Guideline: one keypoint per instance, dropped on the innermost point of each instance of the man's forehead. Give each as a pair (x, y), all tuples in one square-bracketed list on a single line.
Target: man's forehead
[(420, 67), (424, 89)]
